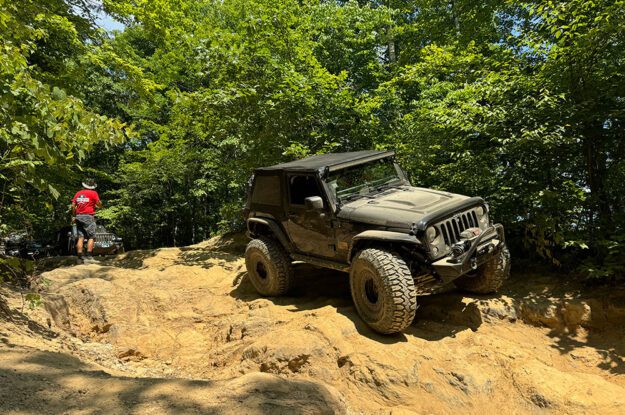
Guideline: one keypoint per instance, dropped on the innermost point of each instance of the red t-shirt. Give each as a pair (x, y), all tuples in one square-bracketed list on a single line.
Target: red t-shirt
[(85, 201)]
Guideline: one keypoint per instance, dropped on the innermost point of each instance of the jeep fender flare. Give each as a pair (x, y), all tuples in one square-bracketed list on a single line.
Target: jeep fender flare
[(380, 236), (273, 228)]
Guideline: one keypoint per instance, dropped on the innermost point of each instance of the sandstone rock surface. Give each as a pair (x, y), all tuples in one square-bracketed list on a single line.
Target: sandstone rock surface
[(188, 324)]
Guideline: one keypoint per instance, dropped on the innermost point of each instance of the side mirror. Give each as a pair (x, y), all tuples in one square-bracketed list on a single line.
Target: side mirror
[(314, 203)]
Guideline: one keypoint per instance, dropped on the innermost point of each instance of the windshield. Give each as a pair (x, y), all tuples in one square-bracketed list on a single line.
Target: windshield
[(365, 179)]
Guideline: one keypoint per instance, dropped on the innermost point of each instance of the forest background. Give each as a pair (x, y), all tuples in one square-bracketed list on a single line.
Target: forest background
[(520, 102)]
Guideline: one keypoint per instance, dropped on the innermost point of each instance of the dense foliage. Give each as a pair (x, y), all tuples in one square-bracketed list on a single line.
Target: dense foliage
[(44, 131), (521, 102)]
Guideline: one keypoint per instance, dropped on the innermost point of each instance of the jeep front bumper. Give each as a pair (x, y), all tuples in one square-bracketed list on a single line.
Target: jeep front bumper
[(480, 250)]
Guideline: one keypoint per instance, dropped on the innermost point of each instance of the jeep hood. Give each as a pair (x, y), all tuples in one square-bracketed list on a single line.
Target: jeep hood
[(398, 207)]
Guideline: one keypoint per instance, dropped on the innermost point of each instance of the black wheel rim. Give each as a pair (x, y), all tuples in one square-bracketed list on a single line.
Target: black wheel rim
[(261, 270), (371, 291), (370, 302)]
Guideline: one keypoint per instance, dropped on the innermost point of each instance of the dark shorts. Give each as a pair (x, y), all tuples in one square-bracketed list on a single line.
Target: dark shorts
[(85, 224)]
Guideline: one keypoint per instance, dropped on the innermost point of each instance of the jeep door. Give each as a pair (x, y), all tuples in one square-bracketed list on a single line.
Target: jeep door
[(309, 230)]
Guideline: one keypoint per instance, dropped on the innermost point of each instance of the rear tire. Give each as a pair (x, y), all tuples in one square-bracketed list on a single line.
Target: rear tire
[(383, 290), (268, 267), (489, 277)]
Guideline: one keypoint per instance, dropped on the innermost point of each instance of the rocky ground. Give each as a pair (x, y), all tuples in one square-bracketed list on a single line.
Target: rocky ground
[(181, 330)]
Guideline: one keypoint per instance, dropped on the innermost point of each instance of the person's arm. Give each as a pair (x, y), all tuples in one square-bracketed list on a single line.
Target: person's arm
[(98, 202), (74, 205)]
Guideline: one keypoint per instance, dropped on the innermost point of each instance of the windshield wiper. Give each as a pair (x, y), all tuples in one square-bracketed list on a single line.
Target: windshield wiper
[(355, 196), (387, 186)]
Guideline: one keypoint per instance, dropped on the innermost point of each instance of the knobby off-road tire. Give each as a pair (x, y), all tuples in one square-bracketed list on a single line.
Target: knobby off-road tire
[(268, 267), (383, 290), (489, 277)]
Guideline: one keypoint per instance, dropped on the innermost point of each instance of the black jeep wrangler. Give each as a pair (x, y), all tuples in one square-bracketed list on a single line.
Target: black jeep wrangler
[(356, 212), (105, 243)]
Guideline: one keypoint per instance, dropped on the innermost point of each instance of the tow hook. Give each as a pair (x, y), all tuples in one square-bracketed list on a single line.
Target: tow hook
[(474, 263)]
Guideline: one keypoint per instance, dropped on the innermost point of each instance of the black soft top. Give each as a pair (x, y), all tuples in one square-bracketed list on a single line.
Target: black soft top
[(330, 161)]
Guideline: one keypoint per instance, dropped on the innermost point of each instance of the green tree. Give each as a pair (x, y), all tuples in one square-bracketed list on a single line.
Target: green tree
[(44, 131)]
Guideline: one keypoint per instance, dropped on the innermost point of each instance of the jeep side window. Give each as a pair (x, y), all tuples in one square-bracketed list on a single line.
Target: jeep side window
[(266, 190), (301, 187)]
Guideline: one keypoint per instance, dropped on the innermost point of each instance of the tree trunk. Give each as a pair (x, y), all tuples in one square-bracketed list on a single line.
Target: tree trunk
[(391, 51), (595, 160), (454, 16)]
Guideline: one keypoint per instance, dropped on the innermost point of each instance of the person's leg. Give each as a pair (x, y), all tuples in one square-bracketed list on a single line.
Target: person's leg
[(91, 230), (79, 245)]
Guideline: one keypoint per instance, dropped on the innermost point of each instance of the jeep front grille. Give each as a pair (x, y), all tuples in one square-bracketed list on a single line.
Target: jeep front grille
[(104, 237), (453, 227)]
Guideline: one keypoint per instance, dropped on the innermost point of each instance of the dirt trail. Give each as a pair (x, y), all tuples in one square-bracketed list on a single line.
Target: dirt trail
[(128, 334)]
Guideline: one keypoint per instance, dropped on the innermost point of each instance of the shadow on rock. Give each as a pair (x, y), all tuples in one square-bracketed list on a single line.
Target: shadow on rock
[(24, 324), (205, 258), (131, 259), (102, 272), (444, 315), (315, 288), (577, 316), (71, 386), (50, 263)]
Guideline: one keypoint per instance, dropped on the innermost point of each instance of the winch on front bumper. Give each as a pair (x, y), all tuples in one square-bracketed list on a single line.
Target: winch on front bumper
[(470, 252)]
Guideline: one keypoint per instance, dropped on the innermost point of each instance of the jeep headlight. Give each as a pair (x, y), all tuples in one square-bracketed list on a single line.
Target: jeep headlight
[(432, 234), (436, 240), (482, 216)]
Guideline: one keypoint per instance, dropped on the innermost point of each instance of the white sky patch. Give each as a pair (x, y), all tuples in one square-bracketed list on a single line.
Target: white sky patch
[(106, 22)]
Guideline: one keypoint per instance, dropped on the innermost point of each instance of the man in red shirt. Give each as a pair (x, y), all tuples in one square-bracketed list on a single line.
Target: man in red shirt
[(83, 205)]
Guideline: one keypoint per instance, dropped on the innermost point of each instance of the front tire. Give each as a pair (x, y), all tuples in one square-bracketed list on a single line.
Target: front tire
[(383, 290), (489, 277), (268, 267)]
